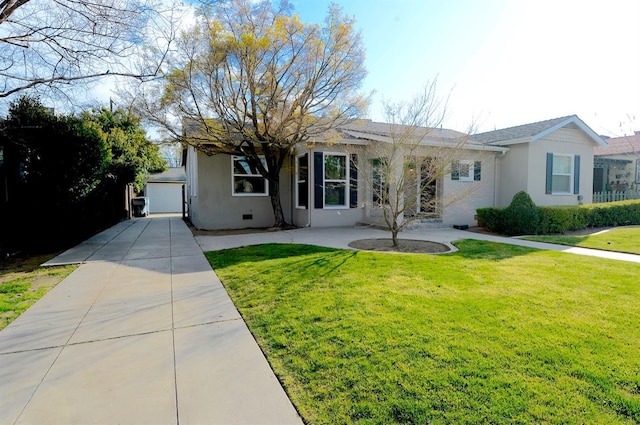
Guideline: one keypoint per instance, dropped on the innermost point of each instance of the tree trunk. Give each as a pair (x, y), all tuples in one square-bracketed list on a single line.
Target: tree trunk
[(394, 234), (274, 194)]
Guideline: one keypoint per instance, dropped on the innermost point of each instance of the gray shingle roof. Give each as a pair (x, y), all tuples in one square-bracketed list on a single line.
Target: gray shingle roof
[(519, 132), (386, 129)]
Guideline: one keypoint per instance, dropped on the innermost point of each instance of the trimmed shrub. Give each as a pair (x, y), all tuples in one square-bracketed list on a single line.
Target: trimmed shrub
[(562, 219), (622, 213), (521, 217), (490, 218)]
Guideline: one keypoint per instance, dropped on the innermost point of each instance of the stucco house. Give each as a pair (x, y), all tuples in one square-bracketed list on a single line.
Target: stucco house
[(617, 165), (323, 184)]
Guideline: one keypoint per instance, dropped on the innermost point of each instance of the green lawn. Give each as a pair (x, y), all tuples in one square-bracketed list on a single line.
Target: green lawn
[(23, 282), (494, 333), (623, 239)]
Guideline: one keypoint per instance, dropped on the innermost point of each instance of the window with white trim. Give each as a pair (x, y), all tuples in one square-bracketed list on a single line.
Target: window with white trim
[(562, 176), (637, 170), (336, 180), (246, 178), (466, 170), (302, 181)]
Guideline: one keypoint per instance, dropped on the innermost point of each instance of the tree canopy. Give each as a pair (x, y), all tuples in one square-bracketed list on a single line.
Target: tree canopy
[(252, 79), (52, 43), (131, 156)]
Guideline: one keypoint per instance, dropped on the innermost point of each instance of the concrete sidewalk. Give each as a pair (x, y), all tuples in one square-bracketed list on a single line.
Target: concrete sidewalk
[(142, 333), (340, 237)]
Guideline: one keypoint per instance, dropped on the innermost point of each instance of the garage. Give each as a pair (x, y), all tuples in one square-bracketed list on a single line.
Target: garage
[(164, 191)]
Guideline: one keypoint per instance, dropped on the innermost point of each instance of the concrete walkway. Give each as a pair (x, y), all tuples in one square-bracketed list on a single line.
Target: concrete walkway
[(142, 333), (340, 237)]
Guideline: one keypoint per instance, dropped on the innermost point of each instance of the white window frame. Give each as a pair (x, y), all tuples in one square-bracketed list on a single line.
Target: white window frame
[(304, 181), (637, 170), (570, 174), (234, 175), (345, 181)]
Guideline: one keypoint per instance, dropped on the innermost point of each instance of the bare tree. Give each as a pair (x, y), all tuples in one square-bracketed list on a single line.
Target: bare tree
[(408, 163), (50, 44), (253, 80)]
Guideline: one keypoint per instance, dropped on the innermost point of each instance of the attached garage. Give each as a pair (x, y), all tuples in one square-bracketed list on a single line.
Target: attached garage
[(164, 191)]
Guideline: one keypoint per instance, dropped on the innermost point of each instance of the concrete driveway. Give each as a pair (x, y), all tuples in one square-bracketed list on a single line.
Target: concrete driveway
[(142, 333)]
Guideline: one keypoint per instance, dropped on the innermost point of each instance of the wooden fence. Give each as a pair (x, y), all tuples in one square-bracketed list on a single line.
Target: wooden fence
[(615, 195)]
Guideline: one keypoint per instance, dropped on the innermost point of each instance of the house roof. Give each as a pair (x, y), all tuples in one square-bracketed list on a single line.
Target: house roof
[(365, 129), (620, 145), (172, 175), (534, 131)]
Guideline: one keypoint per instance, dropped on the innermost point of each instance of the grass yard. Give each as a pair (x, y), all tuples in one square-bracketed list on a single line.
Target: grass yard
[(622, 239), (494, 333), (23, 282)]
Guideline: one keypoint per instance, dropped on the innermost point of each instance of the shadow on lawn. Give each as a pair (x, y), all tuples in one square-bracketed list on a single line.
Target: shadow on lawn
[(484, 250), (265, 252)]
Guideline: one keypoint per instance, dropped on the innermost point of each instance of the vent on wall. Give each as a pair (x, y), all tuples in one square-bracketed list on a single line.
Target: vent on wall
[(247, 216)]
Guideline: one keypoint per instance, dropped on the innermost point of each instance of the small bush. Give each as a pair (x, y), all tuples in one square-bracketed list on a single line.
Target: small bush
[(521, 217), (490, 218)]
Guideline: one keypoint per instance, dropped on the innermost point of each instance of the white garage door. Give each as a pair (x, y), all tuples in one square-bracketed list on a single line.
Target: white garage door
[(164, 197)]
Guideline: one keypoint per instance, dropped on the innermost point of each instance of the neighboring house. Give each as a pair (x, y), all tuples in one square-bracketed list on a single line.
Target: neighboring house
[(551, 160), (321, 186), (164, 191), (617, 166)]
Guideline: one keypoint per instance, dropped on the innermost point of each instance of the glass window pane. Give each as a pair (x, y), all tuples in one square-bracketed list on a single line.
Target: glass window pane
[(303, 168), (334, 194), (334, 167), (561, 164), (561, 184), (249, 185)]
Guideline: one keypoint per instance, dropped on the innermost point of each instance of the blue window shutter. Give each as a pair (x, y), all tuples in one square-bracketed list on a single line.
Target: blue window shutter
[(477, 172), (318, 180), (455, 173), (549, 185), (576, 174), (353, 184)]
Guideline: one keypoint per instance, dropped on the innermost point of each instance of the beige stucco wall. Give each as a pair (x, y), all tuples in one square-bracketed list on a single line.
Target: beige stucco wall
[(513, 172), (214, 206), (465, 197)]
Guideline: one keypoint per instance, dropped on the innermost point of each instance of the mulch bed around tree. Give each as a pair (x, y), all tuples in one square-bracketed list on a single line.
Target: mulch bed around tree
[(404, 245)]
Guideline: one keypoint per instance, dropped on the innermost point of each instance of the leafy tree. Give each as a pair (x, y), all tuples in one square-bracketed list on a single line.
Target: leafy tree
[(253, 80), (52, 43), (61, 158), (131, 156)]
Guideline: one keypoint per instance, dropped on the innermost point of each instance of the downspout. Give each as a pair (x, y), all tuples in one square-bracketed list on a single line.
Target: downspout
[(309, 186), (497, 177)]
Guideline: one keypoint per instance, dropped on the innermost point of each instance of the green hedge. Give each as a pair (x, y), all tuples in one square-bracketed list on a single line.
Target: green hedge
[(558, 219)]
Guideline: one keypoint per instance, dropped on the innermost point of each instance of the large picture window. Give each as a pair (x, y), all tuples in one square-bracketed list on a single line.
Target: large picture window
[(336, 180), (246, 178), (302, 181)]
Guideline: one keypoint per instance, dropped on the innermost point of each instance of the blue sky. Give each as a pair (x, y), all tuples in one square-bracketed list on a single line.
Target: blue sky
[(503, 62)]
